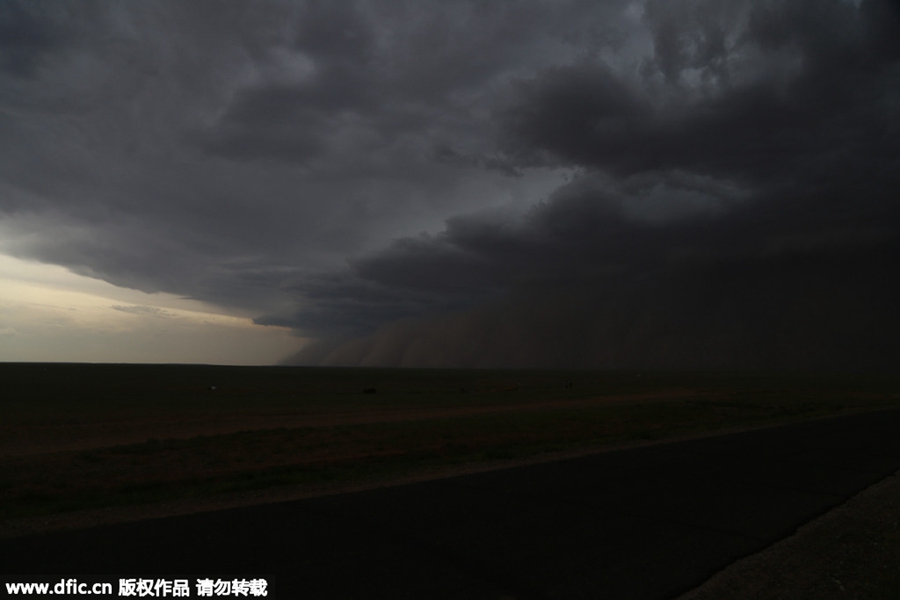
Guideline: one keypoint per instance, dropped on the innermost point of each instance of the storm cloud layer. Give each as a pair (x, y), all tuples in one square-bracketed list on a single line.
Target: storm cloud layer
[(620, 184)]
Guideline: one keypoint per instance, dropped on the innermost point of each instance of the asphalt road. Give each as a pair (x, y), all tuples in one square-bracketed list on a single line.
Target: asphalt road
[(643, 523)]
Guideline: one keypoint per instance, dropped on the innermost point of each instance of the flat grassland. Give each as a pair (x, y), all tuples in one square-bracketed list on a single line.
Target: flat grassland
[(84, 436)]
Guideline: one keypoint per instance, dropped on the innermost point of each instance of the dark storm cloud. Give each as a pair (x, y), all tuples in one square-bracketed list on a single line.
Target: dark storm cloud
[(715, 175), (799, 85), (27, 33), (396, 78), (591, 288), (225, 151), (293, 121), (598, 232), (736, 207)]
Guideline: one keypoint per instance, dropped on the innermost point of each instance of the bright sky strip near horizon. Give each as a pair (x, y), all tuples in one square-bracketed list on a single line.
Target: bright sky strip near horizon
[(693, 184), (48, 314)]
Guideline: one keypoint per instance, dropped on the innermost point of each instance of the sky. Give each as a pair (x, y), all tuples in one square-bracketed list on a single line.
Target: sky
[(615, 184)]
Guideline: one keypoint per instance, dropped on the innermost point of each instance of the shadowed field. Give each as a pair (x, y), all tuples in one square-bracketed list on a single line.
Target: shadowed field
[(78, 436)]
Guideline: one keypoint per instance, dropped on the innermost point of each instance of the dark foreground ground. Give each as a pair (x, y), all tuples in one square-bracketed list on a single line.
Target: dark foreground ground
[(649, 522)]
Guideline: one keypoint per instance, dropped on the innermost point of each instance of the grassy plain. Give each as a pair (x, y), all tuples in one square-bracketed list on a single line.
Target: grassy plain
[(78, 436)]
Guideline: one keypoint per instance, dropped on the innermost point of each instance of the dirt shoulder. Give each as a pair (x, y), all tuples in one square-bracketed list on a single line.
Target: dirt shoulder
[(852, 551)]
